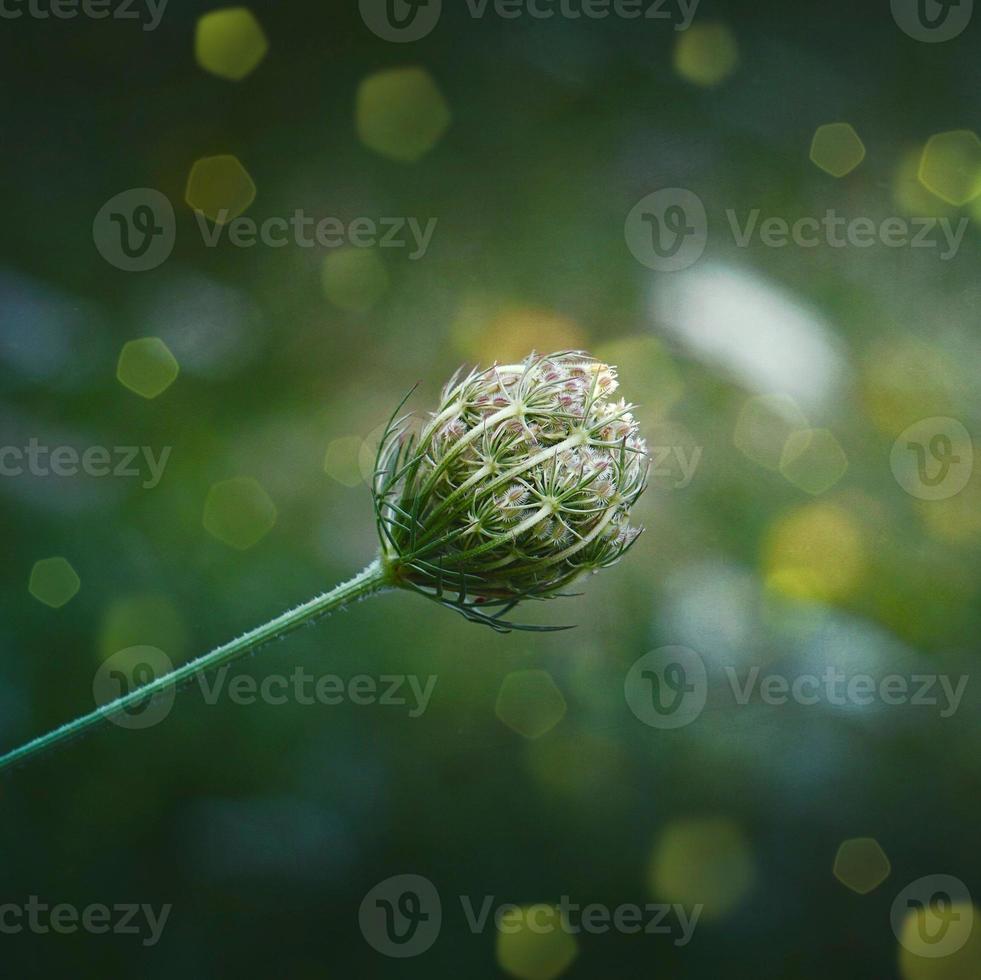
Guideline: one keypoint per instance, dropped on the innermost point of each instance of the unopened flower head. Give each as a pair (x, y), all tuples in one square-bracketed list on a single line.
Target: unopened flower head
[(522, 480)]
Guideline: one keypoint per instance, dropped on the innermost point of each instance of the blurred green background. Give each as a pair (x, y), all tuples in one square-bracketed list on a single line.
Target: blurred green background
[(799, 538)]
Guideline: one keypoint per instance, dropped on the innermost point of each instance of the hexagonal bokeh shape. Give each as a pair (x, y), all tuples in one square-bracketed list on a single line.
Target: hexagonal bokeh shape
[(533, 943), (861, 865), (529, 703), (220, 188), (239, 512), (950, 950), (815, 552), (911, 197), (229, 43), (53, 581), (342, 461), (139, 620), (400, 113), (764, 425), (837, 149), (951, 166), (354, 279), (813, 460), (706, 54), (703, 860), (147, 367)]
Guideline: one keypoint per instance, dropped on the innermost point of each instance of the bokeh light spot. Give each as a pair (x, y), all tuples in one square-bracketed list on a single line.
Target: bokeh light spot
[(354, 279), (230, 43), (530, 703), (763, 426), (219, 187), (239, 512), (400, 113), (958, 945), (706, 54), (956, 519), (861, 864), (908, 192), (578, 766), (342, 461), (705, 861), (142, 620), (815, 553), (813, 460), (533, 943), (147, 367), (646, 370), (489, 333), (837, 149), (53, 581), (951, 166), (905, 380)]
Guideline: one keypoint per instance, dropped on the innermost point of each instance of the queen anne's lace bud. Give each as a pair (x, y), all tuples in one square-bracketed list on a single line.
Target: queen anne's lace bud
[(521, 481)]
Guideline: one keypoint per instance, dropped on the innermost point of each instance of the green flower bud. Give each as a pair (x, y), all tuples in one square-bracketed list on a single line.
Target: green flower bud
[(522, 480)]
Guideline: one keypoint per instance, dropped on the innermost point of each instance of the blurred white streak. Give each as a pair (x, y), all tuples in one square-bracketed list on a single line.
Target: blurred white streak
[(759, 333), (45, 335), (213, 330), (713, 607)]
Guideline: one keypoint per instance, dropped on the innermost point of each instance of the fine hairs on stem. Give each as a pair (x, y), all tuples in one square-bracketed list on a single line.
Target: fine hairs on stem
[(521, 481)]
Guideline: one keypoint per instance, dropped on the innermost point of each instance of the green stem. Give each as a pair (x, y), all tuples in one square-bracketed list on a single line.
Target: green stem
[(374, 578)]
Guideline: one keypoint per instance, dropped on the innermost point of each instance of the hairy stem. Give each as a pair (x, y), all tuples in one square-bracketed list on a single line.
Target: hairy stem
[(374, 578)]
